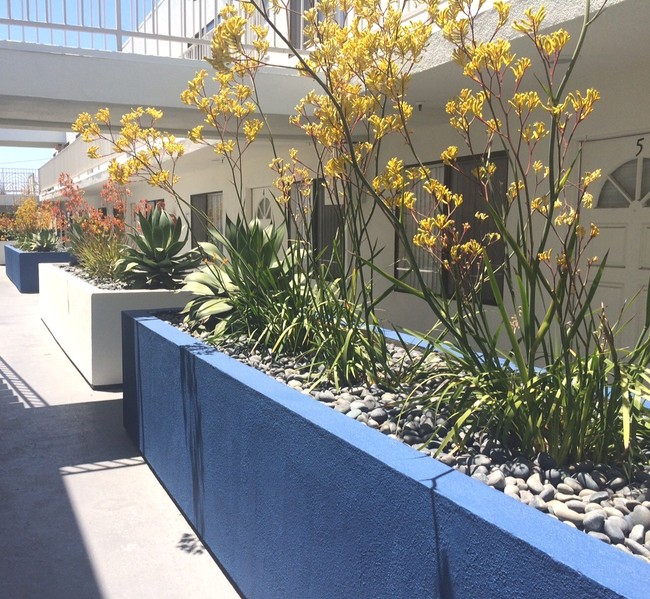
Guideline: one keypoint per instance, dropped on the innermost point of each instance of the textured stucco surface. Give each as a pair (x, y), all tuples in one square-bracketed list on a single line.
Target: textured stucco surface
[(297, 500)]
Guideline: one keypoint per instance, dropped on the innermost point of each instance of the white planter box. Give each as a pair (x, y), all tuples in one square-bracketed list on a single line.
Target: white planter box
[(2, 251), (86, 321)]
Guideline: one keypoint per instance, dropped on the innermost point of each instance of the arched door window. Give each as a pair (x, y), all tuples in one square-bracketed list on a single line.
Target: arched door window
[(627, 185)]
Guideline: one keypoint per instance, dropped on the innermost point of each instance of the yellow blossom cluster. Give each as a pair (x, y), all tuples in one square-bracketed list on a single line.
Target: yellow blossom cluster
[(291, 175), (142, 148)]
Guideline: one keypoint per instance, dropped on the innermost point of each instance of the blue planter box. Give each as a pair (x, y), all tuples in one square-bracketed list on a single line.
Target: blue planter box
[(297, 500), (22, 267)]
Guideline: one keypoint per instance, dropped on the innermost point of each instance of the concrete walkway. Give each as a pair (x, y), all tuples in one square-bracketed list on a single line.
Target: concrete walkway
[(81, 515)]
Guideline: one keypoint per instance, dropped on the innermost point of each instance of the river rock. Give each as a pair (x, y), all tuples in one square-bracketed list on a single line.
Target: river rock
[(497, 480), (614, 533), (538, 503), (565, 489), (641, 515), (575, 485), (600, 536), (481, 460), (547, 493), (637, 548), (599, 496), (535, 483), (593, 521), (379, 415), (553, 476), (564, 513), (637, 534), (358, 404), (342, 406), (585, 480), (612, 511), (512, 490), (520, 469), (576, 505), (622, 523)]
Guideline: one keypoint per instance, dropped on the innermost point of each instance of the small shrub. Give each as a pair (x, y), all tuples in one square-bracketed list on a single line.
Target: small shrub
[(7, 227), (97, 252), (95, 239), (32, 225)]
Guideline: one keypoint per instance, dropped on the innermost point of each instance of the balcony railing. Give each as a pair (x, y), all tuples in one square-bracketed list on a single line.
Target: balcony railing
[(174, 28), (18, 182), (156, 27)]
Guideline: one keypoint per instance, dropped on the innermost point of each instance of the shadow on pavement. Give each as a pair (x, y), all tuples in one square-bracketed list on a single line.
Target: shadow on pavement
[(43, 552)]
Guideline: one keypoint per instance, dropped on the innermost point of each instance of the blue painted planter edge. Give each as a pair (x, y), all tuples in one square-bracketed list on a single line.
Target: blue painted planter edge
[(22, 266), (607, 571)]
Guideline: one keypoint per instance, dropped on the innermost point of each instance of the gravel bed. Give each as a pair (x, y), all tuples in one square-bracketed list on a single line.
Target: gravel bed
[(77, 271), (594, 498)]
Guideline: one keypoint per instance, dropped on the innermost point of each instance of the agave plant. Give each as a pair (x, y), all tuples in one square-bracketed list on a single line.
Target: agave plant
[(235, 278), (45, 240), (156, 261), (210, 309)]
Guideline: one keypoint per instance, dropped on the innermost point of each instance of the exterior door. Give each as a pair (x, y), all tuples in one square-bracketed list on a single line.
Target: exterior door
[(621, 210)]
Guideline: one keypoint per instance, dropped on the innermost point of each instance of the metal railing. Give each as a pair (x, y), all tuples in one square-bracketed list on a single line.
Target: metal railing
[(157, 27), (174, 28), (18, 182)]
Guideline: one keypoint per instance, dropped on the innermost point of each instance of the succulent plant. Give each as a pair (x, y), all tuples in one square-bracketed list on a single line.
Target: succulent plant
[(156, 261), (44, 240)]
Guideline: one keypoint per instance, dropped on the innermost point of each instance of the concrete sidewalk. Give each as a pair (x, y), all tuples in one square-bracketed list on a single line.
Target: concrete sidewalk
[(81, 514)]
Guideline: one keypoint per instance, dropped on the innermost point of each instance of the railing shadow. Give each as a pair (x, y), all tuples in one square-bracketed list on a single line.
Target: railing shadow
[(19, 387), (42, 547)]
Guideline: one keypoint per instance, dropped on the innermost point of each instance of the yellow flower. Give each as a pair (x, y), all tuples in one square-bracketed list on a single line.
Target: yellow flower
[(449, 155), (590, 177), (103, 115), (520, 67), (196, 134), (251, 128), (154, 113), (532, 21)]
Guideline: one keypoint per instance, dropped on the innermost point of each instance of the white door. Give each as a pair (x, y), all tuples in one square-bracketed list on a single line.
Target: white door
[(621, 210)]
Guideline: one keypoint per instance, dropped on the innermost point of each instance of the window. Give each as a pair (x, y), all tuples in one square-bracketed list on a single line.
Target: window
[(459, 181), (207, 210), (318, 220), (627, 184)]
